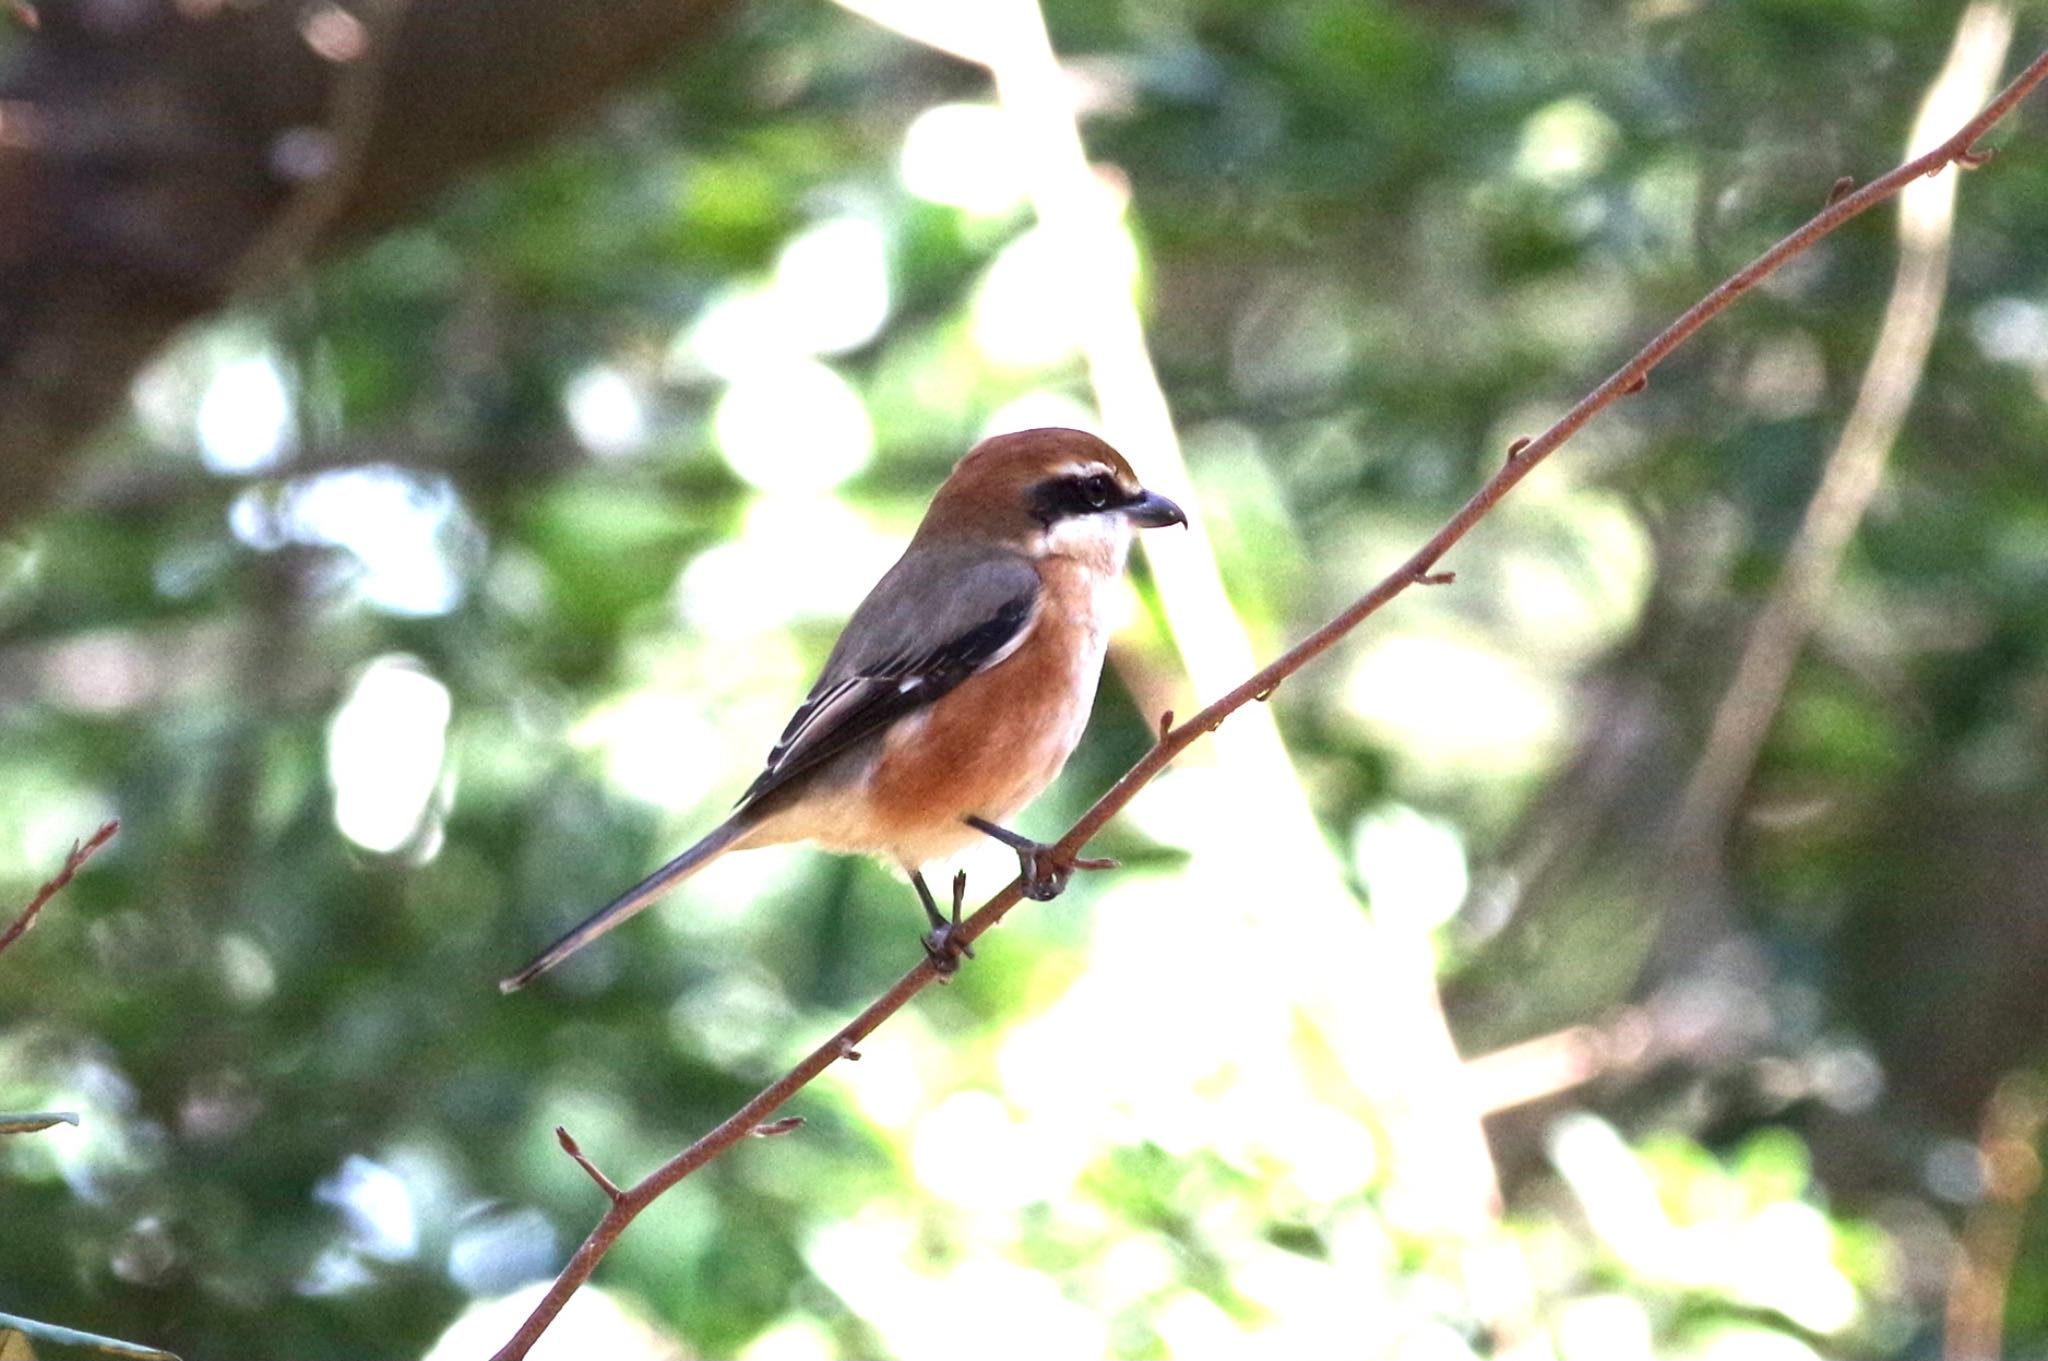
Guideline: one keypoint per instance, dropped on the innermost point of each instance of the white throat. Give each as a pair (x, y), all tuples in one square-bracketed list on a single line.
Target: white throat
[(1098, 542)]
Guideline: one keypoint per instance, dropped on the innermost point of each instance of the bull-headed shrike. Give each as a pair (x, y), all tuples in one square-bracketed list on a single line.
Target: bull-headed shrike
[(959, 687)]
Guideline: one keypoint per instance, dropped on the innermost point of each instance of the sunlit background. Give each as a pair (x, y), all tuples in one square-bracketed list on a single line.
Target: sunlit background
[(414, 607)]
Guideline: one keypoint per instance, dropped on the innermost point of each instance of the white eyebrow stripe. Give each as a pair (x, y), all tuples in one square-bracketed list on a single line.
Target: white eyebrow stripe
[(1083, 470)]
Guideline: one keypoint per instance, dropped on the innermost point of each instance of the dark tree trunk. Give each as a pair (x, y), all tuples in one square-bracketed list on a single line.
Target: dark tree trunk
[(147, 149)]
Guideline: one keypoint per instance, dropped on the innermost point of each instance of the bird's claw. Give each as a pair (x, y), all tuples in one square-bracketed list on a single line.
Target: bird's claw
[(1044, 875), (946, 949), (944, 944)]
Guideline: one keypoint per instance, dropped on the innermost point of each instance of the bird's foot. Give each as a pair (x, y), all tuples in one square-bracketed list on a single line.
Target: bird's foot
[(1044, 873), (944, 943)]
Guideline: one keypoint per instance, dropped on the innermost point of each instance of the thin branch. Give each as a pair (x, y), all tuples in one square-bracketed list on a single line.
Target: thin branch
[(80, 853), (1629, 378), (735, 1127), (28, 1122), (1855, 469)]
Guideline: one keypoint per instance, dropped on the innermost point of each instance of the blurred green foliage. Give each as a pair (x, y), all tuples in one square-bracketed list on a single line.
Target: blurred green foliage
[(414, 612)]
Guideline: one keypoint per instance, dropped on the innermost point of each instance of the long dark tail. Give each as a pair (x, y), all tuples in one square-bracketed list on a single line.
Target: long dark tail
[(642, 894)]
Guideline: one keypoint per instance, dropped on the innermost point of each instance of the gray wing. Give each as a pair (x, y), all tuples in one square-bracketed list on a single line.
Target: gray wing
[(906, 645)]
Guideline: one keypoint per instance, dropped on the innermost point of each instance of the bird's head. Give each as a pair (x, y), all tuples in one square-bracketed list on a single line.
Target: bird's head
[(1047, 493)]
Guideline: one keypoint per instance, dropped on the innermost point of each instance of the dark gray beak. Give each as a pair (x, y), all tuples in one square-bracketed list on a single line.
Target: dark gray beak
[(1151, 511)]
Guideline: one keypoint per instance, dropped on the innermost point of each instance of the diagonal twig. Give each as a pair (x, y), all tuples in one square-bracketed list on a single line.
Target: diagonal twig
[(1629, 378), (80, 853)]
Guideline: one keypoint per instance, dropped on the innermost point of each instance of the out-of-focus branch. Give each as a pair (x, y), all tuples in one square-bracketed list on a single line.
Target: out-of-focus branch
[(1418, 569), (1855, 468), (1549, 1065), (2009, 1160), (72, 1337), (80, 853), (328, 161)]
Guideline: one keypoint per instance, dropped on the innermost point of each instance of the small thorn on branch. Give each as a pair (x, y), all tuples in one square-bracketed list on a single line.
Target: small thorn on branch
[(1973, 157), (575, 1151), (1521, 442), (1642, 381), (1165, 725), (848, 1052), (775, 1127), (1264, 694), (1435, 578), (1843, 187)]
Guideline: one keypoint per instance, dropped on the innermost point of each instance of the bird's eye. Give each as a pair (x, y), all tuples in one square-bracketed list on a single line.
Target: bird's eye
[(1097, 490)]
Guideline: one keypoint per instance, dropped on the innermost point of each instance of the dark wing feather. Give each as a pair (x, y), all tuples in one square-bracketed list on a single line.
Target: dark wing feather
[(905, 646)]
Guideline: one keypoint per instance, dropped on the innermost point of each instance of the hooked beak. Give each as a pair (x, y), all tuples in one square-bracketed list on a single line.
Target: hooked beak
[(1151, 510)]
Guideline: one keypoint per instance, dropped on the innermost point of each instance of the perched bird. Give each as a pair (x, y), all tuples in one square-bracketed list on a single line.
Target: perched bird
[(959, 687)]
